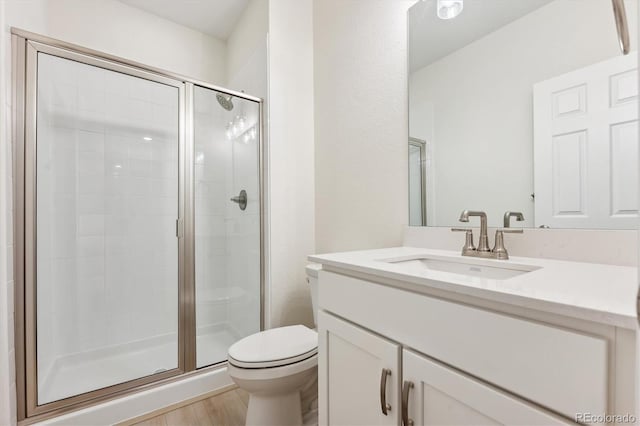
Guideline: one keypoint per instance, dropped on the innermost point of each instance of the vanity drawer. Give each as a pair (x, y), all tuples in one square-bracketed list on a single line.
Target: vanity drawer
[(562, 370)]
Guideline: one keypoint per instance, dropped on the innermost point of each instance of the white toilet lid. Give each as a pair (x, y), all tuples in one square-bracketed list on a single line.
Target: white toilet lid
[(274, 347)]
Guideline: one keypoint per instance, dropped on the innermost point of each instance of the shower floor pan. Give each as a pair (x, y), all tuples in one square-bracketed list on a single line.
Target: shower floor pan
[(79, 373)]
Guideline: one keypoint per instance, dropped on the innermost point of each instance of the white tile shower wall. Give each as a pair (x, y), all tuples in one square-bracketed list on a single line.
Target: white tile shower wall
[(213, 167), (107, 204), (227, 238), (243, 237), (244, 251)]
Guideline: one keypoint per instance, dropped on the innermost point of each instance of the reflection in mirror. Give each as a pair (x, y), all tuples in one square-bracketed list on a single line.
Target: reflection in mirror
[(524, 106), (417, 181)]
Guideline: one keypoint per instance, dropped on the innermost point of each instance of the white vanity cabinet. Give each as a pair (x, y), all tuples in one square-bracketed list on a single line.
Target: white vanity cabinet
[(438, 395), (461, 360), (361, 372)]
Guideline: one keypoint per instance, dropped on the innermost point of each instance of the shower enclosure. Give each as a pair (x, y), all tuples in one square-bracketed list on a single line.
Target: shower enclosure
[(139, 224)]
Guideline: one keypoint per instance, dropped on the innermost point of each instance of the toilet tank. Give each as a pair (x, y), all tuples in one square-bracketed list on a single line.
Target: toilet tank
[(312, 279)]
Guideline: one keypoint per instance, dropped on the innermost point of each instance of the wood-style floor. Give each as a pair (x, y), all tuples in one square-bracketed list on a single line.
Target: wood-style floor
[(225, 409)]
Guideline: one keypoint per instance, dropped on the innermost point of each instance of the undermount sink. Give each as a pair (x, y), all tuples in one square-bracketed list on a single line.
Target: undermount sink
[(461, 266)]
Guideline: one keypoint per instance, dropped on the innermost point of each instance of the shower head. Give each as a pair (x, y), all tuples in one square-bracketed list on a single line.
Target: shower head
[(225, 101)]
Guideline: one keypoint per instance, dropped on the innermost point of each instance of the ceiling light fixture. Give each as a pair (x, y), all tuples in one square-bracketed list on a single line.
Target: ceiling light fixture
[(449, 9)]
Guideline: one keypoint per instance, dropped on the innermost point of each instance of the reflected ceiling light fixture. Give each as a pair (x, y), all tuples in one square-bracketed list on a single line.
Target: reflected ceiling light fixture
[(147, 138), (449, 9), (236, 127)]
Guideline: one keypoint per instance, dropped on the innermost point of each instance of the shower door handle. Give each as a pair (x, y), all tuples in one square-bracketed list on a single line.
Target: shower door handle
[(621, 25), (179, 228), (241, 199)]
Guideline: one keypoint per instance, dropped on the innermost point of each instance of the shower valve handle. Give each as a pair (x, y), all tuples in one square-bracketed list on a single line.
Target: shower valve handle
[(241, 199)]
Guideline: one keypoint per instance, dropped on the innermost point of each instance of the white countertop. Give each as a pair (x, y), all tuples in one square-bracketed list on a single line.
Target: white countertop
[(600, 293)]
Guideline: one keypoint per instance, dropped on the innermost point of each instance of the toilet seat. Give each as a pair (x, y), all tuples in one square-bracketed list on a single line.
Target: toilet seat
[(283, 372), (274, 363), (276, 347)]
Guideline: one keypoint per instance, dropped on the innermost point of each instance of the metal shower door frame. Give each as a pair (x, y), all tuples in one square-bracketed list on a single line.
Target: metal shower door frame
[(422, 146), (25, 49)]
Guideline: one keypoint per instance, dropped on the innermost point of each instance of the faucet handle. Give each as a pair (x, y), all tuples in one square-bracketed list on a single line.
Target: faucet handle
[(468, 242), (499, 250), (461, 229), (511, 230)]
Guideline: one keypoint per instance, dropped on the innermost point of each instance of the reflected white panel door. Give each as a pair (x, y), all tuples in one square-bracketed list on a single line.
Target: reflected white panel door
[(442, 396), (586, 147), (350, 374)]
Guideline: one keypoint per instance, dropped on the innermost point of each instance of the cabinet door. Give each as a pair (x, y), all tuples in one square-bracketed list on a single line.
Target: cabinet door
[(438, 395), (352, 369)]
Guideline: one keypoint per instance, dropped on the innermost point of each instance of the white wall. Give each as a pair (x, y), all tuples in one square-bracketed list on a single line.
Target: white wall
[(637, 379), (481, 96), (361, 123), (7, 353), (116, 28), (291, 198), (249, 35)]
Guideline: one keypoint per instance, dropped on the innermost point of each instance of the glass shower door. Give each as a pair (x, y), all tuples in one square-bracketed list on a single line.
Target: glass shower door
[(107, 200), (227, 222)]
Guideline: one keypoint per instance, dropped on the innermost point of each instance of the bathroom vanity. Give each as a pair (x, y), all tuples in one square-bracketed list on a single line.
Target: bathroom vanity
[(415, 336)]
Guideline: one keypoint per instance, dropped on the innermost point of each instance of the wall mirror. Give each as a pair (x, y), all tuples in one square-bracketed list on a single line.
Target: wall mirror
[(525, 106)]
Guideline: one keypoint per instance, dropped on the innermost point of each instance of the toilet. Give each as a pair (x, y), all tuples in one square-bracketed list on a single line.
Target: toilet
[(279, 370)]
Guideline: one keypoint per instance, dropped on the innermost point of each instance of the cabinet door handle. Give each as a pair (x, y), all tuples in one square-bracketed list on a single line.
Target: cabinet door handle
[(406, 421), (383, 391)]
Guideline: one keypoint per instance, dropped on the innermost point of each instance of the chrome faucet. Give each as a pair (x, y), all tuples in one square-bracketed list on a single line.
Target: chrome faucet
[(483, 245), (508, 215), (498, 251)]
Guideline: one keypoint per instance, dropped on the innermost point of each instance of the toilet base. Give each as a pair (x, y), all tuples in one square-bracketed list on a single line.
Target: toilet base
[(277, 394), (274, 410)]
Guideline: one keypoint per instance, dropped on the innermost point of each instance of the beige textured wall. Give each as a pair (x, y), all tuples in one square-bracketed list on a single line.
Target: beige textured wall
[(360, 123)]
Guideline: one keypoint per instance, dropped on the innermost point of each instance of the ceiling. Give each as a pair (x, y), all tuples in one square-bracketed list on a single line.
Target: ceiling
[(216, 18), (478, 18)]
